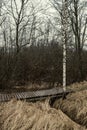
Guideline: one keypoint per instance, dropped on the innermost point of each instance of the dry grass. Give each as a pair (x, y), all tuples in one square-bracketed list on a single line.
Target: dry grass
[(75, 106), (21, 115), (78, 86), (18, 115)]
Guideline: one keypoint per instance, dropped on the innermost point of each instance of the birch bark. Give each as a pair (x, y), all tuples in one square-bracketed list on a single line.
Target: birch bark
[(64, 39)]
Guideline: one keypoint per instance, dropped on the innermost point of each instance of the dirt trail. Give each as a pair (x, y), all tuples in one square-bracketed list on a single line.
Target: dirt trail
[(20, 115)]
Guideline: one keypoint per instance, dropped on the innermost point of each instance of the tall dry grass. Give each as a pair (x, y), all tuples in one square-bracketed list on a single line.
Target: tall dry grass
[(20, 115), (75, 106)]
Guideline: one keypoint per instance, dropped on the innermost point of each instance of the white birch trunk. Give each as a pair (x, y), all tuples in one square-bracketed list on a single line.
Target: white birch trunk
[(64, 39), (64, 67)]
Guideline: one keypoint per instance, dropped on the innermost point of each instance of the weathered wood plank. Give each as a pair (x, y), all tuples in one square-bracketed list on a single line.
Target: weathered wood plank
[(32, 94)]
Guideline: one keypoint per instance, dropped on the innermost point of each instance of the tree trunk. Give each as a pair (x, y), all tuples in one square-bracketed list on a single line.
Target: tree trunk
[(78, 42), (64, 38), (64, 66), (80, 71), (17, 39)]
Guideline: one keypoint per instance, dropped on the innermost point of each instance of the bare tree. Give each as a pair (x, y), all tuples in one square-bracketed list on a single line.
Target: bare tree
[(62, 9), (18, 18), (79, 25), (22, 17), (2, 19)]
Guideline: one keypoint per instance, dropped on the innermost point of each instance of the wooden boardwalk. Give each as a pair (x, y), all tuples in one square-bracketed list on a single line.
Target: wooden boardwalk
[(33, 94)]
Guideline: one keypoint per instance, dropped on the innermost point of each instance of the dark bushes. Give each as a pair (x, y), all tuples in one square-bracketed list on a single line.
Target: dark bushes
[(39, 63)]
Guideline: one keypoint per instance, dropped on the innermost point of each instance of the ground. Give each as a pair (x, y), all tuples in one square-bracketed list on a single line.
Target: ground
[(68, 114)]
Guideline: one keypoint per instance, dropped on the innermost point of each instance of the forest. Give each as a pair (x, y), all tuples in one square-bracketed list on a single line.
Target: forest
[(43, 64), (31, 42)]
